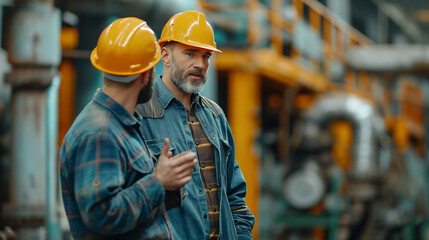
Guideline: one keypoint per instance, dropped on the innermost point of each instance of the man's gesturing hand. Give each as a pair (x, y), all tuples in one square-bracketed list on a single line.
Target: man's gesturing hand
[(174, 172)]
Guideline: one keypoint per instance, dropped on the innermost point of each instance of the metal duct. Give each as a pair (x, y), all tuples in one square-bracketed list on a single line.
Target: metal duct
[(389, 58), (365, 120)]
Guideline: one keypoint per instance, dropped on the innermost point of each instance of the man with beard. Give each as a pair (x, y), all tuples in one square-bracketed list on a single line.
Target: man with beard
[(212, 205), (111, 187)]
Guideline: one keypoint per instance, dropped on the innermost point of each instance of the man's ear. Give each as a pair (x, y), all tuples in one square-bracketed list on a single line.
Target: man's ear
[(145, 77), (166, 56)]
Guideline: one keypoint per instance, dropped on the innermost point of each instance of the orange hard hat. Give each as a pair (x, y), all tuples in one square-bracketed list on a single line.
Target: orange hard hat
[(126, 47), (189, 28)]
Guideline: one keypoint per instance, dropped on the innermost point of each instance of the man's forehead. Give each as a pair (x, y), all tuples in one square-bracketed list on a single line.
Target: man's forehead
[(192, 48)]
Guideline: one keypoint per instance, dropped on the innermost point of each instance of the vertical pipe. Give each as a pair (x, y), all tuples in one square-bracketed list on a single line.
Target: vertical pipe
[(35, 53), (244, 94), (27, 181), (52, 221)]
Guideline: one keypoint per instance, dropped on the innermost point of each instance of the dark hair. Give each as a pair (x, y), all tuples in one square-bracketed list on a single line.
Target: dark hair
[(169, 45)]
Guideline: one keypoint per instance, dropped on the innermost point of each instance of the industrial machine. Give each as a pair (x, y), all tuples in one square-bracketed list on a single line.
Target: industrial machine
[(373, 196)]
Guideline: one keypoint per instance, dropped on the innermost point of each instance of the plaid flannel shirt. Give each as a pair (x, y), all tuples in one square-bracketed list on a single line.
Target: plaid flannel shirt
[(105, 169)]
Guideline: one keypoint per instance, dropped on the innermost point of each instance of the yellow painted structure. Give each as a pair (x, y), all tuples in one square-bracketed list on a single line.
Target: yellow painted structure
[(67, 92), (244, 94), (268, 63)]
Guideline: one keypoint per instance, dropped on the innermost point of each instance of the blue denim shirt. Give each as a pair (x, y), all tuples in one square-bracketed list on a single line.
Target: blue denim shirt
[(105, 169), (165, 117)]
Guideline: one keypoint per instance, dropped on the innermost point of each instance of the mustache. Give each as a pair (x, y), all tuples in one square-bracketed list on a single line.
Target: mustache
[(197, 72)]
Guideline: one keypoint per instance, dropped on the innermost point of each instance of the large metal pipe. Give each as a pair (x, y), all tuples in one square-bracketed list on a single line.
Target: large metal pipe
[(366, 124), (52, 203), (389, 58), (35, 53)]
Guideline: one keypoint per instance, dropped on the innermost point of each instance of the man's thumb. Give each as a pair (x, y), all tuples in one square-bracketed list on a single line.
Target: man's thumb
[(166, 147)]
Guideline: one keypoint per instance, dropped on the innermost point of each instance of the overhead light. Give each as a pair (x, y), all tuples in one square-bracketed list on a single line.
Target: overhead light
[(421, 15)]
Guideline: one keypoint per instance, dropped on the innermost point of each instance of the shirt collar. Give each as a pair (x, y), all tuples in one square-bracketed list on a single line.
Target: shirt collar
[(120, 112), (165, 96)]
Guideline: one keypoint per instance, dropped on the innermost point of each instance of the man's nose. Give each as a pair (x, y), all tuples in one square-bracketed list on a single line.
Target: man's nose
[(199, 63)]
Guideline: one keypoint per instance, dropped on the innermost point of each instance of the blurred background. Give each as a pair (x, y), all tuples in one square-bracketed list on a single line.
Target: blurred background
[(327, 101)]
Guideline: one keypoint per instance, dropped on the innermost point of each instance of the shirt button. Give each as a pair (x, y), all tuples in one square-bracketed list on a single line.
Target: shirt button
[(201, 191), (190, 146), (204, 216), (203, 165), (184, 122), (210, 188), (96, 183)]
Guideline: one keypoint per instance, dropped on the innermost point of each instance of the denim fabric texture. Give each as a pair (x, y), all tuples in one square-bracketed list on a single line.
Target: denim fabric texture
[(164, 116)]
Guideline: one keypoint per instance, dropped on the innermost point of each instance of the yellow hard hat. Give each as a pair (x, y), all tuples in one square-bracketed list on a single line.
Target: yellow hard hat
[(126, 47), (189, 28)]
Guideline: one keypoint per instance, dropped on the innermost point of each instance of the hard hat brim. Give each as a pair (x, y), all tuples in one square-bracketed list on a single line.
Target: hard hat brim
[(161, 42)]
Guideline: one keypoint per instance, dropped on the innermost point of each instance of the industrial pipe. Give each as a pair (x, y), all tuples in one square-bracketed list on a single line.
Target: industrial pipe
[(34, 52), (365, 120)]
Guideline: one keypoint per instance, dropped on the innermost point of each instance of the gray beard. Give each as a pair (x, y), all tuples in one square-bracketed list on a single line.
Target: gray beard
[(180, 80)]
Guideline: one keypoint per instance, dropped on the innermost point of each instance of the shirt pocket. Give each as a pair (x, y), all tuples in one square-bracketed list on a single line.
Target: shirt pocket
[(156, 145), (142, 163)]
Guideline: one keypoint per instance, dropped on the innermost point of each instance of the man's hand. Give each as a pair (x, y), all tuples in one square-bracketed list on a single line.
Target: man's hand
[(174, 172)]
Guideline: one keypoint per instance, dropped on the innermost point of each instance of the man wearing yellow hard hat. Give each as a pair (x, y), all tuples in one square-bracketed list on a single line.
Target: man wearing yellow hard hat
[(211, 205), (110, 185)]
